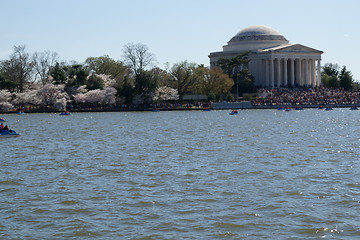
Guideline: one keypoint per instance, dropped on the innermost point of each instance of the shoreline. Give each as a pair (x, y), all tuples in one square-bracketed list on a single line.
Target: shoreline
[(214, 106)]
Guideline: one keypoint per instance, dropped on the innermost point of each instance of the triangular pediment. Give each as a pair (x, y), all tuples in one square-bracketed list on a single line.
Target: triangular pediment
[(295, 48)]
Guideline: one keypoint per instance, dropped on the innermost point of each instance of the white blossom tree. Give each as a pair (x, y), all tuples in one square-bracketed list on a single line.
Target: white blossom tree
[(53, 96), (5, 99), (29, 97), (105, 96), (165, 93)]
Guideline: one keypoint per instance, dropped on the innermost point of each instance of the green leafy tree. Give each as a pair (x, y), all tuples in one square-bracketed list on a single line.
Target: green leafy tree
[(108, 66), (183, 77), (236, 68), (77, 75), (331, 69), (58, 74), (95, 82), (330, 81), (164, 77), (229, 97), (246, 81), (199, 73), (329, 75), (231, 65), (145, 84), (211, 96), (216, 81), (6, 84), (126, 91), (345, 79)]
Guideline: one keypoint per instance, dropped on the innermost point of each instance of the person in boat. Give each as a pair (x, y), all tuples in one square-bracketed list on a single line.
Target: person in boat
[(1, 127), (6, 128)]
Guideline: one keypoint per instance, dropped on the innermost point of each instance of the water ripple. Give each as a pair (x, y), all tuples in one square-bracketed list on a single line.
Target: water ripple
[(264, 174)]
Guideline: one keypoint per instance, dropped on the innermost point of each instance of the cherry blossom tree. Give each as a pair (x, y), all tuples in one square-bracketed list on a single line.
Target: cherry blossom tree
[(5, 99), (29, 97), (165, 94), (105, 96), (53, 96)]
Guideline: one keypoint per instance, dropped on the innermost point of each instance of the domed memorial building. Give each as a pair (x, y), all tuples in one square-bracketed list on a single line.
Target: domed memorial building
[(274, 62)]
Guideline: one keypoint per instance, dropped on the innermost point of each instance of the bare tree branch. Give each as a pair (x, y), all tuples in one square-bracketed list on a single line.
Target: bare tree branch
[(18, 68), (43, 62), (137, 56)]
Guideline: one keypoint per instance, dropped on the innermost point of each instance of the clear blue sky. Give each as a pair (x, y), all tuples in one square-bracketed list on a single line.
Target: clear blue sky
[(176, 30)]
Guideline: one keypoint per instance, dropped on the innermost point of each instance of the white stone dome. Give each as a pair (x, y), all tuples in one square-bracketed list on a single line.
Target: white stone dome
[(258, 32), (255, 38)]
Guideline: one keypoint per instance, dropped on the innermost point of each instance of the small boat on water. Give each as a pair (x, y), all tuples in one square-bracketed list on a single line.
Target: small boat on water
[(328, 109), (281, 108), (65, 113), (234, 112), (9, 133), (321, 107), (354, 108), (207, 110), (288, 109), (155, 110), (2, 120), (21, 112), (298, 108)]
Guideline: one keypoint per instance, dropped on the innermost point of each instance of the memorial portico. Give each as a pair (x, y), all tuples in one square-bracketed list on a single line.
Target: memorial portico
[(274, 62)]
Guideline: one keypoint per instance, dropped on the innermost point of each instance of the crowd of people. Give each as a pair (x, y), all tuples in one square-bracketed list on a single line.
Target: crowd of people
[(304, 96)]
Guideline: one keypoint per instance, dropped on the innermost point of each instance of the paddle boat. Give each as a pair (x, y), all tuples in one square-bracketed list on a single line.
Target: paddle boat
[(354, 108), (298, 108), (234, 112), (2, 120), (155, 110), (281, 108), (21, 112), (207, 110), (321, 107), (65, 113), (328, 108), (9, 133), (288, 109)]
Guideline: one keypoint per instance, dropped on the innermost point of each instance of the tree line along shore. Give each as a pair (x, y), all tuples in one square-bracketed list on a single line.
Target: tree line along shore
[(40, 82)]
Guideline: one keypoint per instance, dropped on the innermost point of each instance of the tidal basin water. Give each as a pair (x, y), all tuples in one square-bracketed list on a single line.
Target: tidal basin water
[(263, 174)]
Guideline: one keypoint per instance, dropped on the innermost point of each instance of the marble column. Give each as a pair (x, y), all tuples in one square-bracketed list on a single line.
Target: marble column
[(267, 74), (313, 75), (306, 78), (292, 72), (298, 79), (285, 73), (272, 72), (318, 81), (278, 72)]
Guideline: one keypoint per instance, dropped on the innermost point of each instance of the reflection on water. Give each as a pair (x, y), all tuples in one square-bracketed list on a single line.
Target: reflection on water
[(181, 175)]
